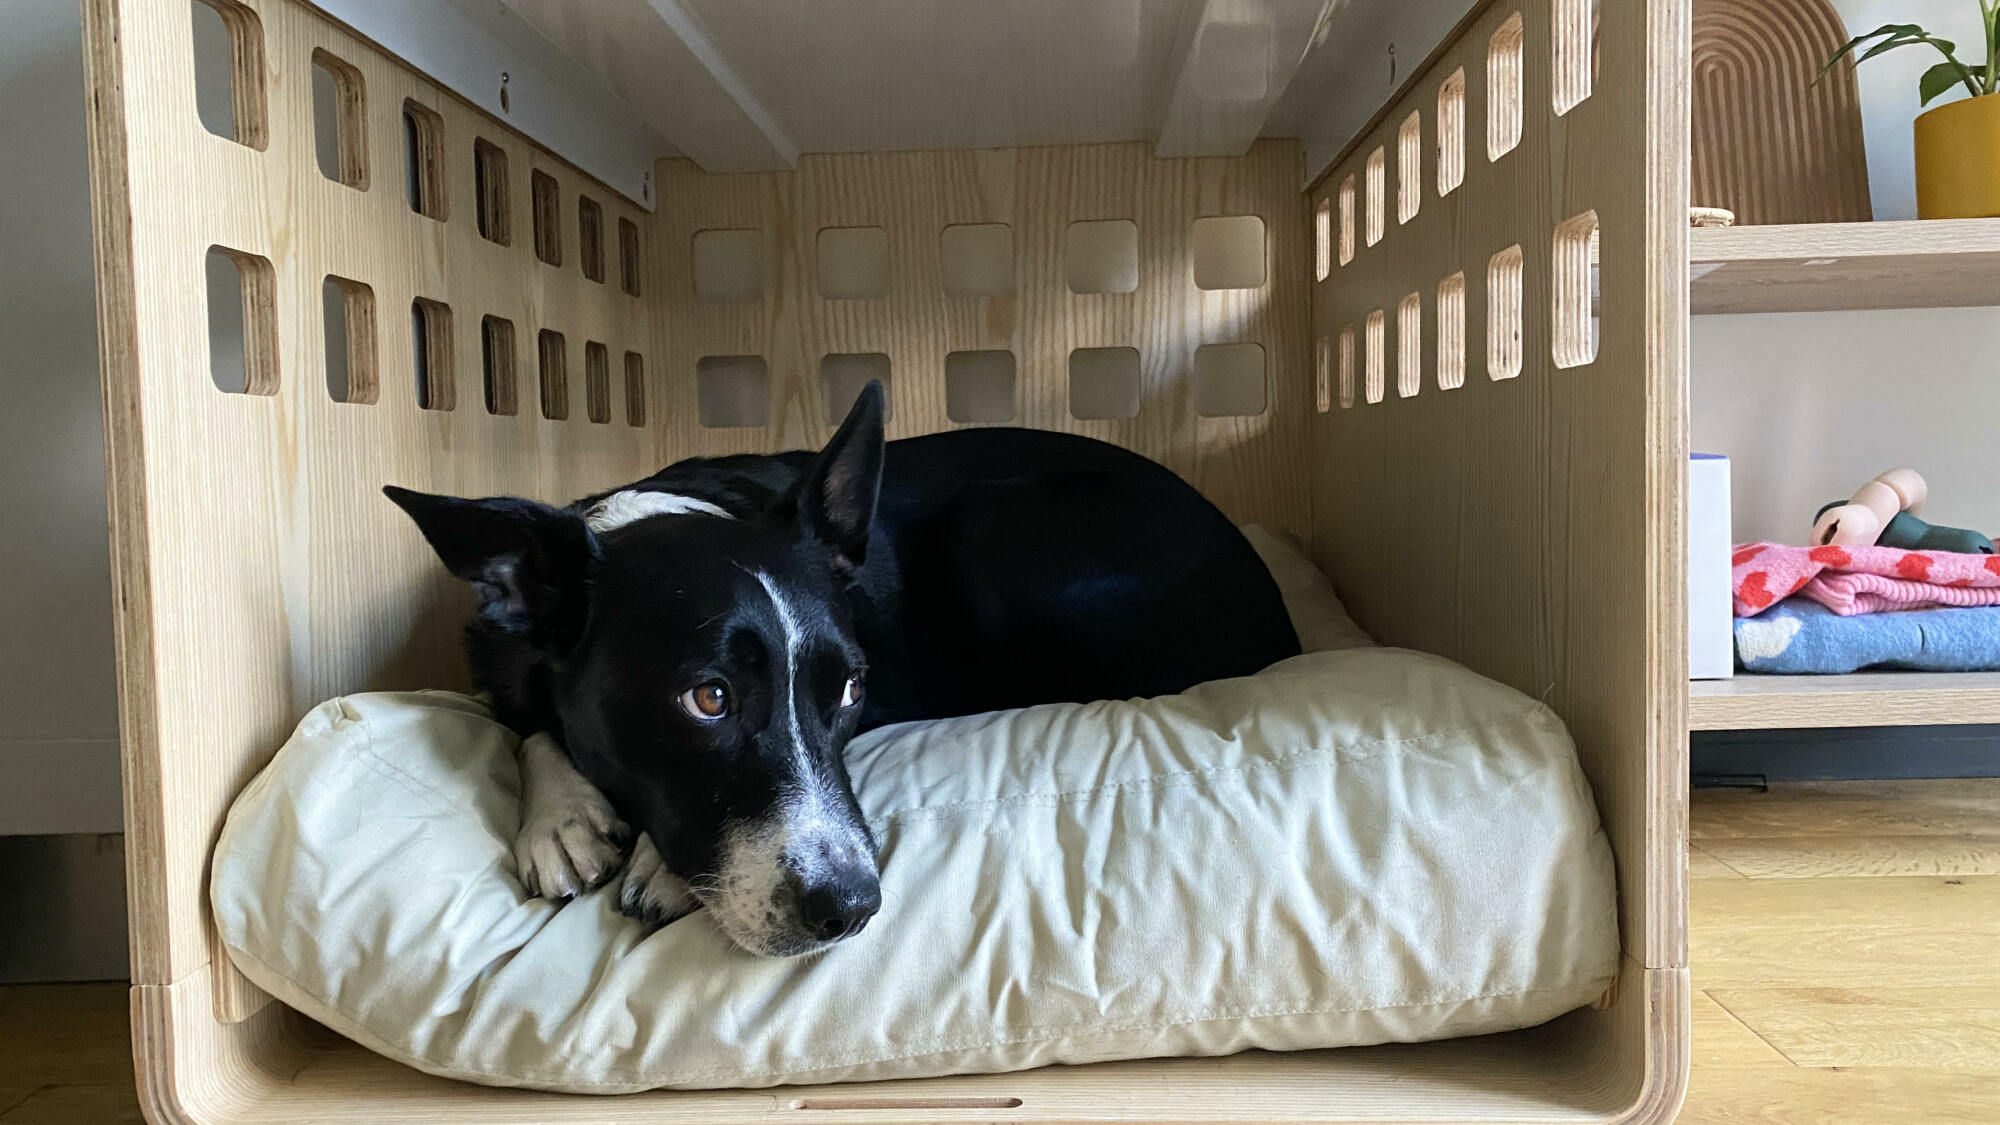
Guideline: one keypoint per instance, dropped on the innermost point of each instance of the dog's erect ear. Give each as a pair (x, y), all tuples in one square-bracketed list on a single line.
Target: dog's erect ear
[(837, 497), (529, 562)]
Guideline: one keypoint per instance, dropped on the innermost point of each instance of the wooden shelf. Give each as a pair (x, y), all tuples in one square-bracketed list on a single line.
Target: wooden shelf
[(1864, 699), (1939, 263)]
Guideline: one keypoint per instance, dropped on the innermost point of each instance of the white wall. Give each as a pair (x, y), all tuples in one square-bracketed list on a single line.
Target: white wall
[(1808, 406), (58, 711)]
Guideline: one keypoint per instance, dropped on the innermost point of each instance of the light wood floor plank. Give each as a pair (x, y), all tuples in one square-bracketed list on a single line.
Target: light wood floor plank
[(53, 1035), (1702, 864), (1766, 1095), (1801, 857), (11, 1096), (1808, 933), (1949, 807), (78, 1105), (1720, 1039), (1944, 1028)]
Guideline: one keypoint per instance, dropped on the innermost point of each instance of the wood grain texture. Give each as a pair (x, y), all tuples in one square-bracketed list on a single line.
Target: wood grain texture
[(1771, 141), (1948, 1027), (1800, 933), (1862, 699), (1247, 465), (1833, 811), (1703, 865), (1945, 263), (1857, 856)]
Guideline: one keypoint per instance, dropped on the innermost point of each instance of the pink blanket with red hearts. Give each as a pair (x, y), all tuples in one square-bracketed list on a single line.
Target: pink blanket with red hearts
[(1851, 580)]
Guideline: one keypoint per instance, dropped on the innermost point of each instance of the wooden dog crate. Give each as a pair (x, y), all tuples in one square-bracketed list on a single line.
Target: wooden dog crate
[(1453, 363)]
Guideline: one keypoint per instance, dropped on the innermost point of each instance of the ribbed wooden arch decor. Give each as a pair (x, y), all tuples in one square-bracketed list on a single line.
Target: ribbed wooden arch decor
[(1770, 143)]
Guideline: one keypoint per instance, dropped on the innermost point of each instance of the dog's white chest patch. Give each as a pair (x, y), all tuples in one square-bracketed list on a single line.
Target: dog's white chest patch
[(633, 505)]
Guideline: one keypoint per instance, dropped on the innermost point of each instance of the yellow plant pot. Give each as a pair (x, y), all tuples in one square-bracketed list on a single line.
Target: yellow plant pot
[(1958, 160)]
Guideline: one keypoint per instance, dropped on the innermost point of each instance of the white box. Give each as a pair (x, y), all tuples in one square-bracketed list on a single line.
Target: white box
[(1711, 613)]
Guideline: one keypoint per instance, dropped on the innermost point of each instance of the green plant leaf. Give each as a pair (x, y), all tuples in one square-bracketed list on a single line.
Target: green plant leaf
[(1937, 80)]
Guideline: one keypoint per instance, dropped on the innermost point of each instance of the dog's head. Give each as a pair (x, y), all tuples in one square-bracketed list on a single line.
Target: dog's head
[(706, 676)]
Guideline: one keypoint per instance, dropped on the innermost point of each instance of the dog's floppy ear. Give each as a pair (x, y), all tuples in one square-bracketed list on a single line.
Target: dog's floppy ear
[(529, 562), (837, 497)]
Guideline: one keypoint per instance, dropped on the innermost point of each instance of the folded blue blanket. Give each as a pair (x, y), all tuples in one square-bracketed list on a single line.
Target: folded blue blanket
[(1800, 636)]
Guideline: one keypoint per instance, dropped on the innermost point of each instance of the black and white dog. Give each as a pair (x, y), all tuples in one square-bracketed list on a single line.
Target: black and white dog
[(690, 654)]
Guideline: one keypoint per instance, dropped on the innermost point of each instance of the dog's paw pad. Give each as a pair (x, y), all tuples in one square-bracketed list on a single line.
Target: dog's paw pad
[(650, 893), (566, 855)]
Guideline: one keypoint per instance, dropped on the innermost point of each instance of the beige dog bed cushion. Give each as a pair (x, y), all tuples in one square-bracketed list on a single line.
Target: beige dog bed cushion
[(1356, 845)]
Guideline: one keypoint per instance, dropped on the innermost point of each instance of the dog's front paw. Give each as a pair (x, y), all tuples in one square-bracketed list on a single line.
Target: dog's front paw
[(651, 893), (570, 839)]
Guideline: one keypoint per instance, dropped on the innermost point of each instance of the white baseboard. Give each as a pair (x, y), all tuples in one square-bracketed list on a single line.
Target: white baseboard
[(60, 786)]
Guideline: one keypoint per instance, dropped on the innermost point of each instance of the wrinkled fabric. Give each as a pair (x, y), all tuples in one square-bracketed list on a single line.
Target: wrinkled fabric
[(1350, 847)]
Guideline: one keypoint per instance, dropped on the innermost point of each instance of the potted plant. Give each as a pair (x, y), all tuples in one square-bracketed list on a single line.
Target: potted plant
[(1958, 144)]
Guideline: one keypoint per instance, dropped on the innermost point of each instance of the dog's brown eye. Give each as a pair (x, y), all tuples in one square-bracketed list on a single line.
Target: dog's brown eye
[(706, 701), (851, 694)]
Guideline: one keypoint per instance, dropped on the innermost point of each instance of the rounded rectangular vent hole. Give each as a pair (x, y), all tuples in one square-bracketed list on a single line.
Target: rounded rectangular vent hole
[(1574, 290), (1229, 252), (498, 373), (596, 382), (242, 322), (1573, 27), (590, 238), (1229, 380), (229, 90), (1101, 256), (1503, 314), (340, 121), (1409, 167), (1373, 359), (853, 263), (843, 374), (1409, 346), (552, 353), (979, 386), (347, 309), (1323, 240), (1451, 133), (1503, 89), (1347, 379), (430, 336), (733, 391), (635, 389), (546, 198), (1347, 220), (1323, 374), (1451, 332), (977, 259), (489, 177), (423, 161), (728, 266), (1104, 383), (630, 270), (1378, 176)]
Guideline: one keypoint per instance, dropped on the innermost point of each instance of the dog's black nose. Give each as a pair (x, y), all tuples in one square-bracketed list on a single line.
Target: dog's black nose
[(840, 910)]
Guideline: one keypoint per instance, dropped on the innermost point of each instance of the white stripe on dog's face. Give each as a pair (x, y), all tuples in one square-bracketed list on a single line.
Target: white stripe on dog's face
[(633, 505), (807, 833)]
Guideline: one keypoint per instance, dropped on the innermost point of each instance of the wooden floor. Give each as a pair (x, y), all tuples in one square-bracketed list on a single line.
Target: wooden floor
[(1845, 944)]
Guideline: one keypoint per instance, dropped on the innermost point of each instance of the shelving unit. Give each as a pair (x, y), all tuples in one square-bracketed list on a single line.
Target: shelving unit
[(1822, 267), (1864, 699)]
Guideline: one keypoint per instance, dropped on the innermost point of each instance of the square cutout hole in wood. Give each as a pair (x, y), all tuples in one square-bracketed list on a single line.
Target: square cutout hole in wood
[(1409, 346), (1104, 384), (631, 270), (853, 263), (1378, 187), (1374, 358), (498, 372), (340, 121), (590, 238), (1409, 167), (1451, 133), (1503, 89), (553, 353), (1102, 256), (842, 375), (1347, 377), (347, 310), (547, 200), (231, 99), (979, 386), (423, 161), (242, 297), (489, 175), (1574, 291), (1229, 380), (1451, 332), (1503, 314), (1323, 374), (1573, 29), (728, 266), (635, 389), (977, 259), (431, 354), (1347, 220), (1323, 240), (733, 391), (1229, 252)]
